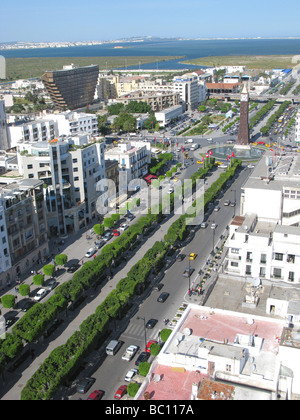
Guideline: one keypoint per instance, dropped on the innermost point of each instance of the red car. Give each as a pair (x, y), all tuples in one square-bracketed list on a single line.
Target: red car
[(96, 395), (147, 348), (261, 142), (121, 392), (116, 233)]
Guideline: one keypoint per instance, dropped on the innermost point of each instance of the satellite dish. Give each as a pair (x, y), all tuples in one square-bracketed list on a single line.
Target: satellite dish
[(256, 282), (157, 378), (187, 331), (250, 321)]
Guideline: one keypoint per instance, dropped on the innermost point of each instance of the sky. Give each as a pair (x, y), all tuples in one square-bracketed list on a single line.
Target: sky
[(78, 20)]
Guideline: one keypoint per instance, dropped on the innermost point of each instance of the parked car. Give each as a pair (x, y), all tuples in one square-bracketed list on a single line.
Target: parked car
[(116, 232), (143, 357), (51, 285), (158, 287), (28, 304), (151, 323), (90, 253), (99, 244), (73, 268), (130, 374), (149, 344), (107, 236), (203, 225), (214, 225), (124, 227), (163, 297), (40, 294), (122, 390), (217, 208), (130, 216), (227, 203), (180, 257), (95, 396), (84, 385)]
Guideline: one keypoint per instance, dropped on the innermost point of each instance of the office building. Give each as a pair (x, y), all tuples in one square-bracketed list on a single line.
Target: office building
[(72, 87), (187, 87)]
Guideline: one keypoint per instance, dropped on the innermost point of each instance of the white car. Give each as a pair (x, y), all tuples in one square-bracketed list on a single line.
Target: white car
[(214, 225), (130, 374), (123, 227), (90, 253), (170, 190), (40, 294)]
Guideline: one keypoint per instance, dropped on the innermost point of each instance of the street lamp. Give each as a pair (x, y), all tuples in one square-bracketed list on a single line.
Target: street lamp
[(145, 331)]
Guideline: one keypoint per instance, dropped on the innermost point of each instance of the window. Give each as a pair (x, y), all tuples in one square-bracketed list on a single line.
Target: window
[(29, 166), (278, 256), (228, 368), (291, 276), (234, 264), (249, 256), (262, 272), (277, 273), (263, 258), (248, 270), (235, 250), (290, 258)]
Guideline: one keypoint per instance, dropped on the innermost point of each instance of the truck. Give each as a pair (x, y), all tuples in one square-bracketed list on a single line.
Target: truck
[(113, 347), (129, 353)]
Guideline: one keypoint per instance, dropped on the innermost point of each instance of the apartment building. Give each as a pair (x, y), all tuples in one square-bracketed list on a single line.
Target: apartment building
[(157, 100), (23, 228), (133, 158), (31, 131), (165, 116), (4, 141), (72, 87), (69, 174), (73, 123), (264, 241)]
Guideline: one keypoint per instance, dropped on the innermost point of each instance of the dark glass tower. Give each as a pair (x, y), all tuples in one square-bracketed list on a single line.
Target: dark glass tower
[(72, 88)]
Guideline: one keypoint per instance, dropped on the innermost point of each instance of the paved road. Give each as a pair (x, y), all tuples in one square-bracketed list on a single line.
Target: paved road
[(131, 330)]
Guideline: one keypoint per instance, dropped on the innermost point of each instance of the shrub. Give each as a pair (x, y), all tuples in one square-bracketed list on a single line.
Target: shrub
[(132, 389)]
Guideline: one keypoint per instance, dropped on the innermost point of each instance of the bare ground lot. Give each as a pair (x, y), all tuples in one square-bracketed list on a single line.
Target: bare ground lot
[(261, 62)]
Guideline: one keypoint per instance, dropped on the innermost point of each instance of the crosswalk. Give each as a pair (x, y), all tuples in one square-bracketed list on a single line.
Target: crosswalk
[(136, 332)]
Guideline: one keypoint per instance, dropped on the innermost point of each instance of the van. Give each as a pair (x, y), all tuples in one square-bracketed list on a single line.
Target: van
[(210, 140), (113, 347), (195, 146)]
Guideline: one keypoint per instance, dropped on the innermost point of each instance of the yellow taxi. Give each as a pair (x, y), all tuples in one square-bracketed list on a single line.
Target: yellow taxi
[(200, 162), (192, 256), (254, 144)]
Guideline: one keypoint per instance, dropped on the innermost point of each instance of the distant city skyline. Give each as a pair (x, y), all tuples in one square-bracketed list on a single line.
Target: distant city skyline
[(92, 20)]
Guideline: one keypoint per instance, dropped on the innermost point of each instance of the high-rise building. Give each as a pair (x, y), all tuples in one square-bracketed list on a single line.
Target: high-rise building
[(3, 128), (72, 87), (243, 135)]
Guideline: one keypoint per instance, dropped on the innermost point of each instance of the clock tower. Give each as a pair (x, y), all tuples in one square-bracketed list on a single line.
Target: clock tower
[(243, 135)]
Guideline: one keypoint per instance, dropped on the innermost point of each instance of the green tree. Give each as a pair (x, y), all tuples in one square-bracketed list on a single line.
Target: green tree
[(61, 259), (144, 368), (132, 389), (108, 222), (24, 289), (99, 229), (48, 270), (38, 279), (8, 301)]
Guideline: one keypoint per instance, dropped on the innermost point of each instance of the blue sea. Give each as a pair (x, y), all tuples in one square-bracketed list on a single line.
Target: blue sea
[(190, 49)]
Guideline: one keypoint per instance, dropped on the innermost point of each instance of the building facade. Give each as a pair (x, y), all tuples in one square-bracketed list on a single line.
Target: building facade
[(23, 226), (71, 88), (69, 174), (188, 88), (4, 141)]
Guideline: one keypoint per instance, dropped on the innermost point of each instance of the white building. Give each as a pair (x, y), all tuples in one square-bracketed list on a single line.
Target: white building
[(74, 123), (133, 158), (264, 250), (188, 88), (70, 174), (31, 131), (165, 116)]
